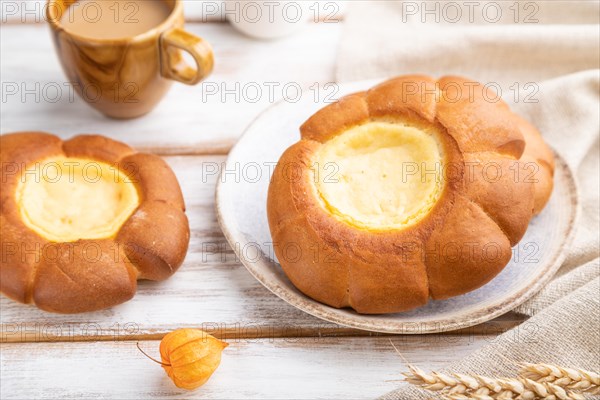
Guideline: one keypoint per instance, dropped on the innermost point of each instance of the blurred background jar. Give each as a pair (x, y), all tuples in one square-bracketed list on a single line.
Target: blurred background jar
[(269, 19)]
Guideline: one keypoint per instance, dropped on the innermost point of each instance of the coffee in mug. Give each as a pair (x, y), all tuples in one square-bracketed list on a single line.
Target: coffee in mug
[(112, 19), (121, 56)]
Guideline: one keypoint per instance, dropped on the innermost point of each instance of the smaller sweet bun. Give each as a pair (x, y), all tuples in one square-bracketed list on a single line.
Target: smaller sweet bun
[(413, 190), (82, 220)]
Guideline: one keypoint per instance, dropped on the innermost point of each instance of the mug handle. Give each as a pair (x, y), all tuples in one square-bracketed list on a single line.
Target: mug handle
[(177, 39)]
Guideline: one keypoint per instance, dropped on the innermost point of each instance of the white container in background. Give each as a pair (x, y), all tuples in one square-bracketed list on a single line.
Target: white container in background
[(268, 19)]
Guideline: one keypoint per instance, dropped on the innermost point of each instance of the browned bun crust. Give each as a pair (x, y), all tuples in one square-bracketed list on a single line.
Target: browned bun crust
[(161, 249), (21, 252), (154, 178), (96, 147), (88, 275), (462, 243), (539, 164), (466, 252), (498, 191), (81, 276)]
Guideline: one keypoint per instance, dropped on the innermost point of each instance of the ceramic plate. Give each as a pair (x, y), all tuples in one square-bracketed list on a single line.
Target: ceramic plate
[(241, 209)]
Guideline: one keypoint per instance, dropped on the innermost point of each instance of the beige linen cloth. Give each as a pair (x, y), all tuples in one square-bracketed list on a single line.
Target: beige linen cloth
[(554, 45)]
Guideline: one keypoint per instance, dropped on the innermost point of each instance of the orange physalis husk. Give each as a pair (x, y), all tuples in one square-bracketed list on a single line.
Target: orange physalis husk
[(190, 356)]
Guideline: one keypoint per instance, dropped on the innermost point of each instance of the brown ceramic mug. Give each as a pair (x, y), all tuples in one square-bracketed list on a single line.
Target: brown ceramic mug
[(125, 77)]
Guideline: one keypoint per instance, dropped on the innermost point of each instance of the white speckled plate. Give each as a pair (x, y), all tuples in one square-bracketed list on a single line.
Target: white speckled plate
[(241, 209)]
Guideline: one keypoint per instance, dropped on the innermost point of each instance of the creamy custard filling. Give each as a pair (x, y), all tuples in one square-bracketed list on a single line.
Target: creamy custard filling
[(380, 175), (66, 199)]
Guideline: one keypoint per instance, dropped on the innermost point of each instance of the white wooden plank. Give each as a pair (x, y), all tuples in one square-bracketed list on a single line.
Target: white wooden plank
[(249, 75), (211, 290), (307, 368)]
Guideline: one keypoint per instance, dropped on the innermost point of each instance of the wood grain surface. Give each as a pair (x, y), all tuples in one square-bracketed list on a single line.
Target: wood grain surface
[(276, 350), (299, 368), (204, 119)]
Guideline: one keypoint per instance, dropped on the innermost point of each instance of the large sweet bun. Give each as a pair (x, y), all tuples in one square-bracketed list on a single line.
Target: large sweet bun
[(414, 189)]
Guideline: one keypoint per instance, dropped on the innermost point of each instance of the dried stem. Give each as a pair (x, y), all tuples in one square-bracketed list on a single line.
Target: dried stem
[(535, 381), (153, 359)]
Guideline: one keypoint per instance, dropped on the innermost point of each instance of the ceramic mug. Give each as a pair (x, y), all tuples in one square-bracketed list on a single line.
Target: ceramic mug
[(127, 77)]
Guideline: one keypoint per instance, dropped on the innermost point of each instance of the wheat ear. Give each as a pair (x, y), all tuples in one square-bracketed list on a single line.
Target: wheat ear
[(571, 378), (461, 386)]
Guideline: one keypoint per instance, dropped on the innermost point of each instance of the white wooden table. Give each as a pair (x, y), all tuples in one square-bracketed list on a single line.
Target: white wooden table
[(275, 350)]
